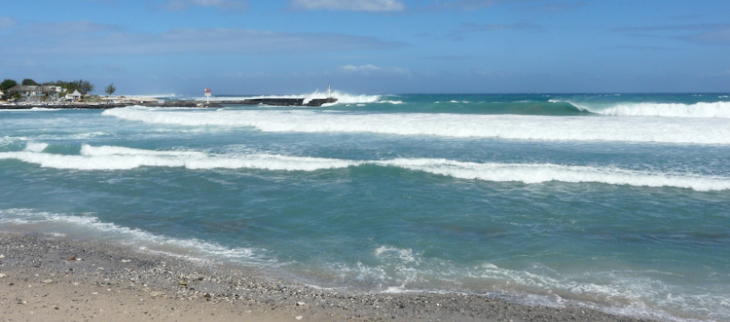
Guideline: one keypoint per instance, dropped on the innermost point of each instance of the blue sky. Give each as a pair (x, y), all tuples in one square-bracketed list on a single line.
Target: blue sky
[(370, 46)]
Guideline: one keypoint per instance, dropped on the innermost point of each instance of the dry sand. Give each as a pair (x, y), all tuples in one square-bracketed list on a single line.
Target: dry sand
[(48, 279)]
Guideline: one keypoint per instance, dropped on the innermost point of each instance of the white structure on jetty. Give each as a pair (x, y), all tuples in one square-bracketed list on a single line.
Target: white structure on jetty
[(75, 96)]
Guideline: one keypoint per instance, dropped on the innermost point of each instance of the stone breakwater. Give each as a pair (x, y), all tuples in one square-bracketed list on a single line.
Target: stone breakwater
[(44, 275)]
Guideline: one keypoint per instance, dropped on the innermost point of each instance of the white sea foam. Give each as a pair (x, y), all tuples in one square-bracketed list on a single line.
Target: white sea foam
[(634, 293), (539, 173), (521, 127), (121, 158), (8, 140), (36, 147), (93, 227), (697, 110), (34, 109)]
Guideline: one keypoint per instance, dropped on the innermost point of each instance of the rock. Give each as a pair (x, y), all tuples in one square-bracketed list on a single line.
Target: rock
[(72, 258), (299, 317), (2, 256), (206, 295), (47, 281), (155, 294), (2, 275), (183, 283), (126, 261), (301, 304)]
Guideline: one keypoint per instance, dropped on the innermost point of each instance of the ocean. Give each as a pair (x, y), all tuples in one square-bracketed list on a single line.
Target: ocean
[(618, 202)]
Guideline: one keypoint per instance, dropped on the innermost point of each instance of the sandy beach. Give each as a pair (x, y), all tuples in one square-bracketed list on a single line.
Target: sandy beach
[(50, 279)]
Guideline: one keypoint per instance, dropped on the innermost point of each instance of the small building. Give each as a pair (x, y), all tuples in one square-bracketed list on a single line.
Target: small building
[(75, 96)]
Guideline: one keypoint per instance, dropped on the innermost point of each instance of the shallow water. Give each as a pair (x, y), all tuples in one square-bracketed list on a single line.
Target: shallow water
[(618, 202)]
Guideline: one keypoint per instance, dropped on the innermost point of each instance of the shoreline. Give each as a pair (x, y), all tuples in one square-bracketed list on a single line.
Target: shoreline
[(83, 106), (49, 278), (286, 102)]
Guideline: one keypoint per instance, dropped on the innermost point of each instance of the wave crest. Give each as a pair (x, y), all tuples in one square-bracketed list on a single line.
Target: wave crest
[(697, 110), (122, 158), (519, 127)]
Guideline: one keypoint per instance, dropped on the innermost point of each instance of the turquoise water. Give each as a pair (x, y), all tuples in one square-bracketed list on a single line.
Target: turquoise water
[(616, 202)]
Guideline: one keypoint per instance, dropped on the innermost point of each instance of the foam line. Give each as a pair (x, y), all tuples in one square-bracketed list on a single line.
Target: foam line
[(540, 173), (121, 158), (190, 248), (521, 127), (400, 270)]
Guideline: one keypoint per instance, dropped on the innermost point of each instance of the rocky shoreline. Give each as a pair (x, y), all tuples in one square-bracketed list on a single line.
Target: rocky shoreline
[(201, 104), (46, 275), (81, 106)]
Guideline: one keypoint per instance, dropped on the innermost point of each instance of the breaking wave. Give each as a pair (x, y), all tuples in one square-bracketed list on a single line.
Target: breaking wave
[(122, 158), (697, 110), (520, 127)]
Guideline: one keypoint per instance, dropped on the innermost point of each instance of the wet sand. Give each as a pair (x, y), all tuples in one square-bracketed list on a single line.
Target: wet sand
[(43, 278)]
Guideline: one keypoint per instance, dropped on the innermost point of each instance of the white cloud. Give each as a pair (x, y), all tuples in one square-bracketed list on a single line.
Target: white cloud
[(350, 5), (6, 22), (234, 5), (86, 38), (353, 68)]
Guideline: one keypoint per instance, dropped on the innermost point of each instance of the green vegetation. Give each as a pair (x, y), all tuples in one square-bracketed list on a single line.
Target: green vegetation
[(4, 86), (110, 89), (7, 84), (83, 86)]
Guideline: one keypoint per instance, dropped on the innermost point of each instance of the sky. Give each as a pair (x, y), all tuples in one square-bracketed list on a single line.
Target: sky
[(157, 47)]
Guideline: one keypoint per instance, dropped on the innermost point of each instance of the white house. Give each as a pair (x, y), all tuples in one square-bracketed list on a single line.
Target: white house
[(35, 92)]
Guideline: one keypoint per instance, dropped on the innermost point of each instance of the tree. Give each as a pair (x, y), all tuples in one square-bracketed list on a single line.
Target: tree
[(7, 84), (110, 89), (29, 82), (81, 85)]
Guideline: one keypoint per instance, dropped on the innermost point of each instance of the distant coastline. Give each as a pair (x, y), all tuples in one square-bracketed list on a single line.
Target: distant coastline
[(153, 102)]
